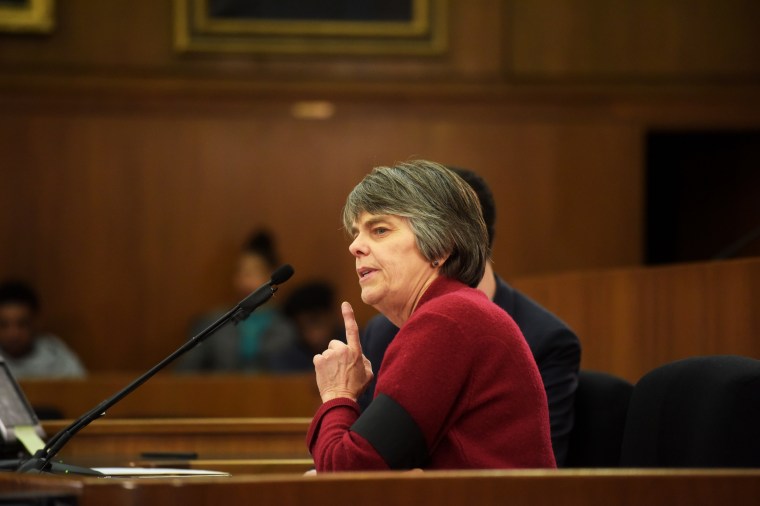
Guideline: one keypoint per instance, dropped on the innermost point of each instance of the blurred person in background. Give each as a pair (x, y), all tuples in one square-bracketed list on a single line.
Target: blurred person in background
[(311, 307), (28, 352), (250, 345)]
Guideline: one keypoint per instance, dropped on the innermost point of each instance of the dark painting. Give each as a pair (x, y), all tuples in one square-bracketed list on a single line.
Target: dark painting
[(324, 10)]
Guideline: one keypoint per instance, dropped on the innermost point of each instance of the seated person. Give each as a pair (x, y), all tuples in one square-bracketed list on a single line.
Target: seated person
[(28, 353), (311, 307), (555, 347), (250, 345), (458, 388)]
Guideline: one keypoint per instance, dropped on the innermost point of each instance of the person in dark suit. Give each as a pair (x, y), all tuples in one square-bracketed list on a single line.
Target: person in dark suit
[(555, 347)]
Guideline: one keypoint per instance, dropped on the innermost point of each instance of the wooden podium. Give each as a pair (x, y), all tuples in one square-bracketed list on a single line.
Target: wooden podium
[(482, 488), (234, 445)]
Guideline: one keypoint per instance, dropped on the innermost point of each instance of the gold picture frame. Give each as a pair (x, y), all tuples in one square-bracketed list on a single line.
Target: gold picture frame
[(36, 16), (424, 33)]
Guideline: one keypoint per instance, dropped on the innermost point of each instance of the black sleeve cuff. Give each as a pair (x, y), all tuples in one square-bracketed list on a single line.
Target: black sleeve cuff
[(393, 433)]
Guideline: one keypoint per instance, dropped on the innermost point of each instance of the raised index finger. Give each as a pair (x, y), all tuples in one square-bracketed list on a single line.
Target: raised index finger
[(352, 329)]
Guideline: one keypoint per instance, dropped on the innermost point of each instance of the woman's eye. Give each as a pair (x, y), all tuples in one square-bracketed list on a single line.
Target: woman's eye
[(380, 230)]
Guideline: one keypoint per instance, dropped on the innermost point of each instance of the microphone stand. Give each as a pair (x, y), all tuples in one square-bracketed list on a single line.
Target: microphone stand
[(40, 462)]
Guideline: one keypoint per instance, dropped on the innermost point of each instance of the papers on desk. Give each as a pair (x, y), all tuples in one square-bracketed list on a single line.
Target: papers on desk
[(155, 472), (29, 437)]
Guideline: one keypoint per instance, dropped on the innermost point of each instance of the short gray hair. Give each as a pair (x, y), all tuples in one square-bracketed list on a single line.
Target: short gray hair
[(443, 212)]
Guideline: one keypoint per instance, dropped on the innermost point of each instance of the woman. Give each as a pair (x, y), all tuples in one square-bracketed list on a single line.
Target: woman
[(442, 398), (254, 344)]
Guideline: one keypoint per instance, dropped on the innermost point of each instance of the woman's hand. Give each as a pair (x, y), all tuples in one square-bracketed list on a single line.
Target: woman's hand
[(342, 370)]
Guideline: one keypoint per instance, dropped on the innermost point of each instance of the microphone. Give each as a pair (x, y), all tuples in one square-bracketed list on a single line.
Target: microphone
[(262, 294), (40, 462)]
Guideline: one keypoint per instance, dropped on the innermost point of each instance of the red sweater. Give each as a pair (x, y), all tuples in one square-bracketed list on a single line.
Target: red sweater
[(446, 368)]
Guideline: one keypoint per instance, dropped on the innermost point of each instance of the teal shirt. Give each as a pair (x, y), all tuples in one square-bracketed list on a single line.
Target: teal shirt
[(251, 330)]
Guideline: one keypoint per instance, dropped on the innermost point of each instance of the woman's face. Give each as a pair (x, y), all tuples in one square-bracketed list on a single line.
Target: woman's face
[(392, 271), (252, 272)]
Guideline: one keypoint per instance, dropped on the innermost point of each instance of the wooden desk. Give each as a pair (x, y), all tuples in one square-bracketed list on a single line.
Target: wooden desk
[(182, 396), (539, 487), (236, 466), (118, 442)]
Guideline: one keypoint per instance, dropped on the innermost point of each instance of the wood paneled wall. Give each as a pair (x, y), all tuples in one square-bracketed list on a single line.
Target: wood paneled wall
[(633, 320), (131, 174), (636, 39), (130, 223)]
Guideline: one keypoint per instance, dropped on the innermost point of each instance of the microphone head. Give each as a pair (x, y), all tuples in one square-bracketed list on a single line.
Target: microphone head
[(282, 274)]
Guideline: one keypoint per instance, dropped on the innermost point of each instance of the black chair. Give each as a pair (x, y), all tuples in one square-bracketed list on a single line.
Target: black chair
[(601, 404), (697, 412)]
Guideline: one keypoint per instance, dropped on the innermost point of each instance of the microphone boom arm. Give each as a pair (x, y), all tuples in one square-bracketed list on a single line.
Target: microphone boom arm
[(41, 460)]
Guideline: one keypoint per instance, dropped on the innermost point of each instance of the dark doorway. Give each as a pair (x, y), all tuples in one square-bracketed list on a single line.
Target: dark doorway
[(703, 195)]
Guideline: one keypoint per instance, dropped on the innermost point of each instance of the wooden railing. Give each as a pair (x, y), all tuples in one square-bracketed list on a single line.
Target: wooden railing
[(181, 396), (123, 442), (632, 320)]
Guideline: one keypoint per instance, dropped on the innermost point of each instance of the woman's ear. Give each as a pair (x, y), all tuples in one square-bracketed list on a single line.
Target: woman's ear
[(439, 262)]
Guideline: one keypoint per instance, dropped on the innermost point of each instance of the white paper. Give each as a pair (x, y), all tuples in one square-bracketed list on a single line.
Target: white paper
[(155, 472)]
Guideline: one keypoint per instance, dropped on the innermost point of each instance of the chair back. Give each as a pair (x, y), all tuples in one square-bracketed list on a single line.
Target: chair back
[(697, 412), (601, 404)]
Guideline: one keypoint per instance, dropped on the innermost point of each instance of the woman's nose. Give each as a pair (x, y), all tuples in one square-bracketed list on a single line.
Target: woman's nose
[(357, 247)]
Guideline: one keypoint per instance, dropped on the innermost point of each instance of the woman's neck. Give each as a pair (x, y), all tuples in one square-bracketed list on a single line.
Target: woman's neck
[(398, 316), (487, 285)]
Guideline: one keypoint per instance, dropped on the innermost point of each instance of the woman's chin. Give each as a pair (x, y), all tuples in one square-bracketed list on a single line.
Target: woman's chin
[(369, 297)]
